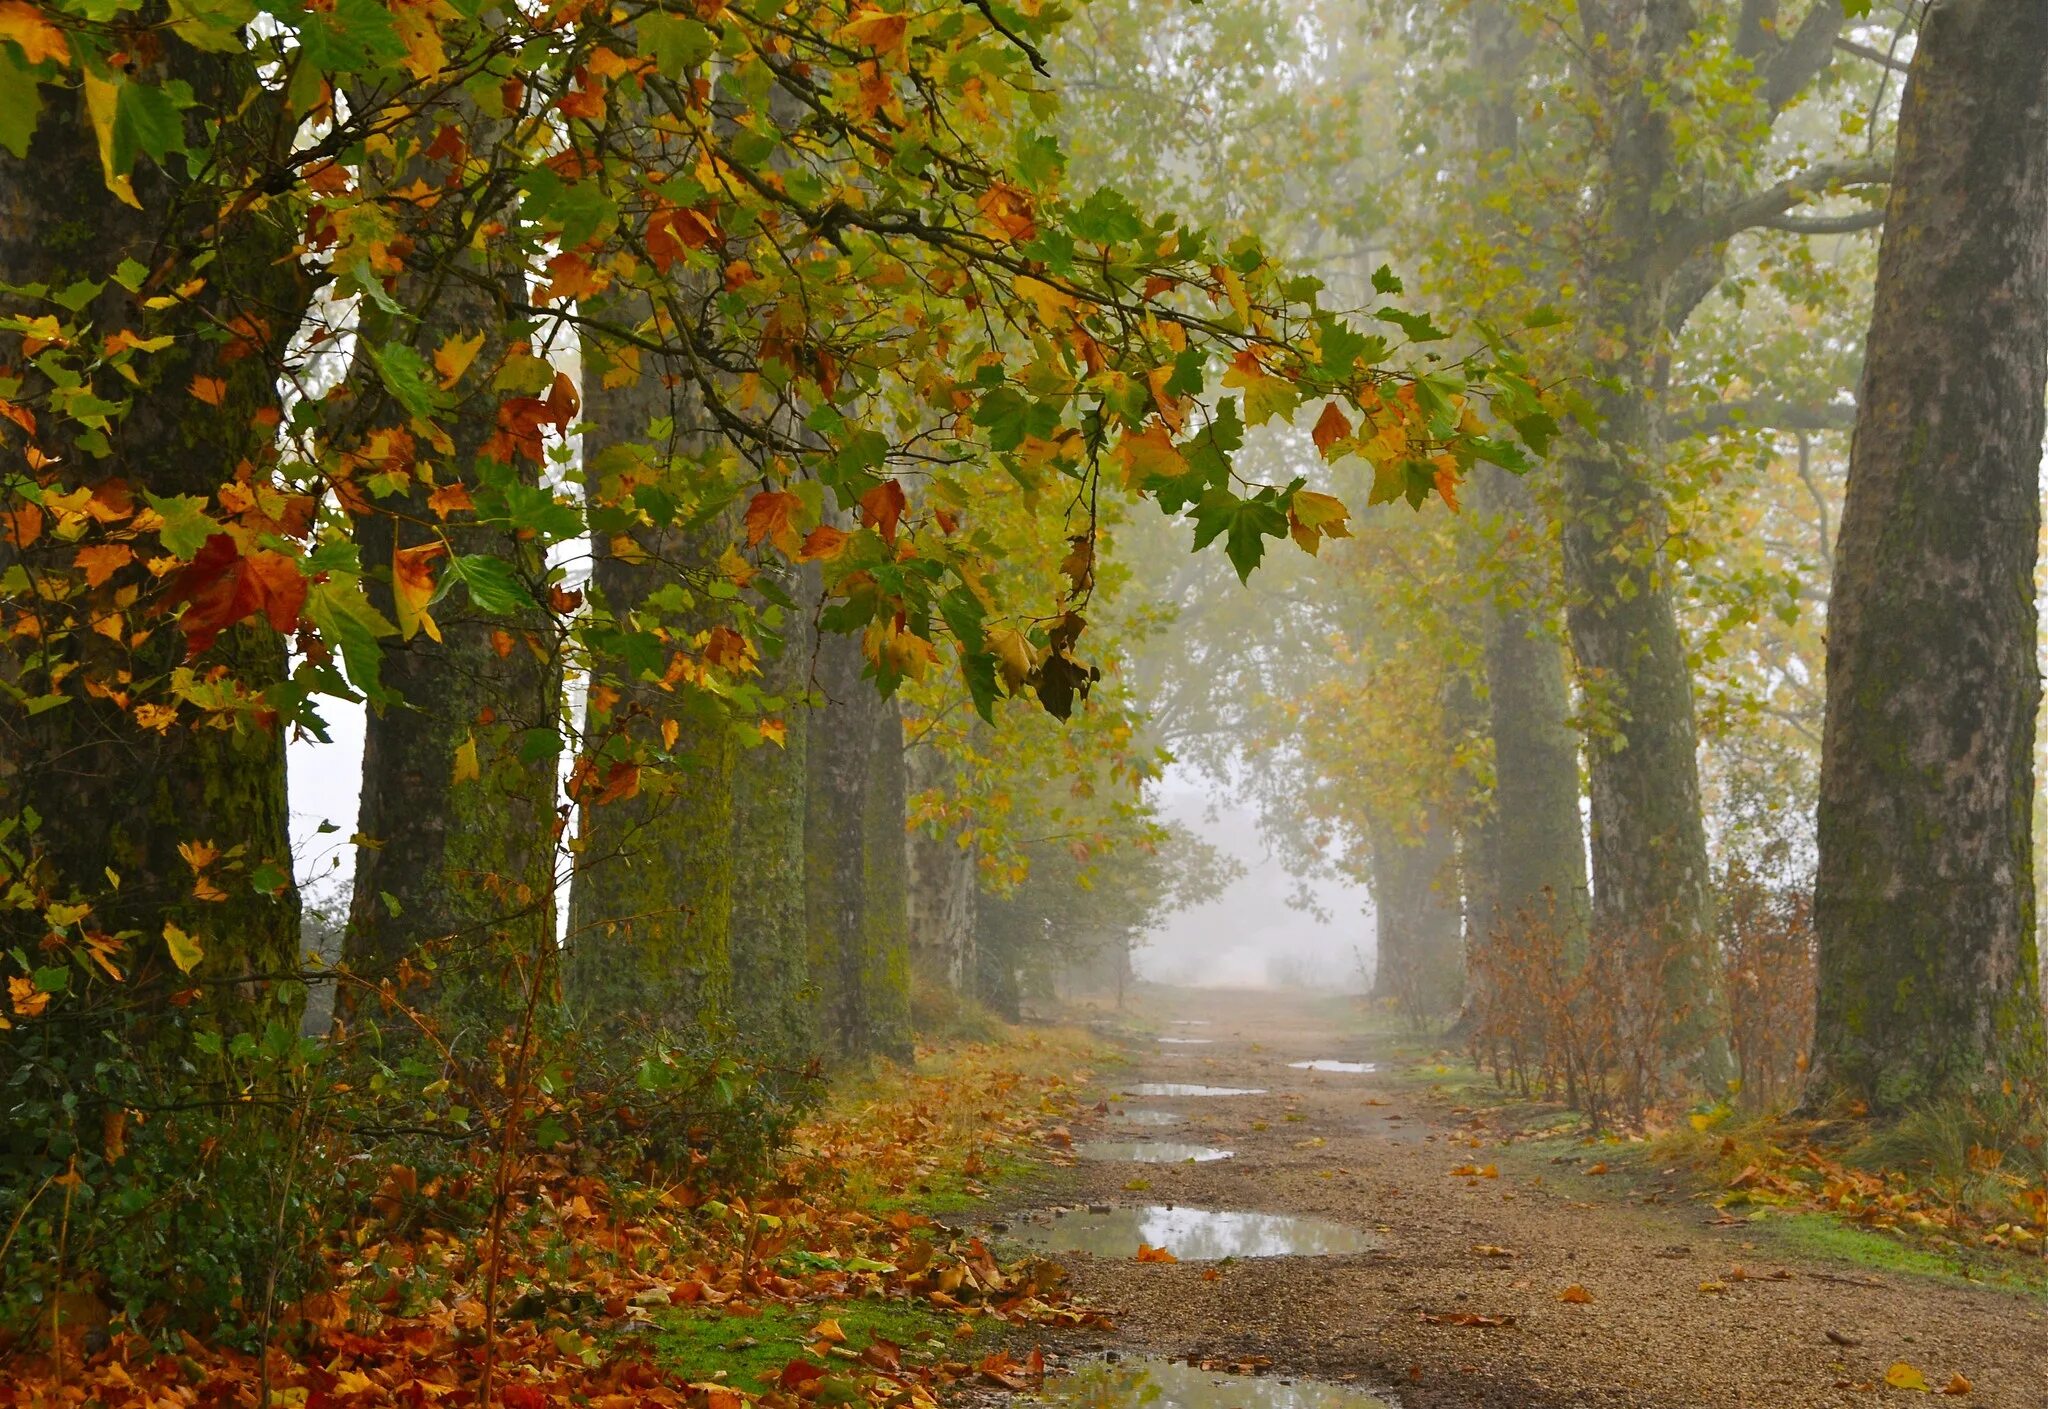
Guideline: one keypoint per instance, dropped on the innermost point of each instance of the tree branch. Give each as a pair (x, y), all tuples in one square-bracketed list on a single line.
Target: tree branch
[(1800, 59), (1876, 56), (1771, 415), (1826, 224), (1772, 203)]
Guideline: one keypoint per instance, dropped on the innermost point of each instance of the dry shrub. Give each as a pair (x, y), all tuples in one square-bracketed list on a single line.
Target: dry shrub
[(1767, 957)]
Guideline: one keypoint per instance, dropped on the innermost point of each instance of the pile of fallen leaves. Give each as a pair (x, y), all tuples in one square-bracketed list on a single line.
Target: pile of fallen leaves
[(589, 1272)]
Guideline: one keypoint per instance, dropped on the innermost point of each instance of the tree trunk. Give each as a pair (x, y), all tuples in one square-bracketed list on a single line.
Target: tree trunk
[(1924, 903), (459, 771), (1417, 920), (839, 759), (1539, 849), (94, 805), (943, 889), (886, 842), (652, 899), (770, 947)]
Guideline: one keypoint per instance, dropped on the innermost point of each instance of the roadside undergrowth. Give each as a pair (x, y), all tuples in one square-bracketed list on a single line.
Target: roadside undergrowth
[(825, 1283)]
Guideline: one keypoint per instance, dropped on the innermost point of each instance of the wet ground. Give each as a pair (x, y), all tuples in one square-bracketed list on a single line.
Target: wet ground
[(1152, 1382), (1447, 1295), (1149, 1152)]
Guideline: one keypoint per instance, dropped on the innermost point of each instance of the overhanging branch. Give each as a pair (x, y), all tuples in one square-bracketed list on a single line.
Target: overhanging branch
[(1764, 414), (1826, 224), (1773, 203)]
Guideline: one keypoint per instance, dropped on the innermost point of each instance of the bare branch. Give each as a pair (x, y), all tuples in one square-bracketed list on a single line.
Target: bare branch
[(1800, 59), (1763, 207), (1876, 56), (1826, 224), (1770, 415)]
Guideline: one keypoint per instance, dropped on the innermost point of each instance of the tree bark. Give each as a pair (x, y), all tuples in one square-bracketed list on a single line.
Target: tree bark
[(839, 759), (943, 889), (770, 947), (651, 901), (1418, 923), (1539, 848), (886, 841), (455, 872), (1924, 903), (94, 805)]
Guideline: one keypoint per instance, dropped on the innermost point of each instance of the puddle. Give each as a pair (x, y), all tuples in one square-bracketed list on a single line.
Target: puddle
[(1190, 1022), (1148, 1382), (1188, 1041), (1142, 1116), (1150, 1152), (1191, 1234), (1188, 1088), (1329, 1064)]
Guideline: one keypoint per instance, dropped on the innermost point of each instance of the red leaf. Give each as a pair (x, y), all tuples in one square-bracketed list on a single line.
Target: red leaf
[(881, 508)]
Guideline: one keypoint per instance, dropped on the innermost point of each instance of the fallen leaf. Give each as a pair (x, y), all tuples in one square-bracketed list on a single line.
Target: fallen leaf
[(1148, 1253), (1903, 1376), (1576, 1295)]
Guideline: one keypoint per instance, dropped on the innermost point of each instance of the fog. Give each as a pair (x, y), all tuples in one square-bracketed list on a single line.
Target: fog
[(1254, 935)]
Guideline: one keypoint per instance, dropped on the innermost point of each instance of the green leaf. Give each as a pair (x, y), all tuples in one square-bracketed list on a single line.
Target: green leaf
[(186, 526), (675, 42), (21, 101), (346, 620), (1243, 524), (1385, 281), (146, 120), (493, 585), (408, 378)]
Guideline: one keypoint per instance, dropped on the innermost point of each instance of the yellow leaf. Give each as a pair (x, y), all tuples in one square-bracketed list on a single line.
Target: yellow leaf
[(1150, 454), (412, 587), (38, 38), (828, 1330), (1903, 1376), (452, 358), (102, 97), (185, 950), (1012, 653), (878, 31), (29, 1001), (466, 767), (1047, 300), (1312, 517)]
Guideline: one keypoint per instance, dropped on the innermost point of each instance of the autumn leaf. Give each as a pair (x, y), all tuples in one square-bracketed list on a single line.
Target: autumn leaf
[(882, 507), (467, 770), (768, 517), (184, 949), (412, 587), (222, 586), (1958, 1383), (1576, 1295), (1150, 454), (29, 27), (100, 561), (28, 1000), (1148, 1253), (1491, 1250), (1331, 427), (821, 544), (450, 498), (1312, 517), (211, 390), (1902, 1375), (878, 31), (453, 356)]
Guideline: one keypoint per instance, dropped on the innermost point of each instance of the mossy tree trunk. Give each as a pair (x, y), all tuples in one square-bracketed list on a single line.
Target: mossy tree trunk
[(771, 970), (856, 860), (1924, 904), (457, 867), (95, 805), (1417, 914), (651, 901), (1539, 850), (943, 889)]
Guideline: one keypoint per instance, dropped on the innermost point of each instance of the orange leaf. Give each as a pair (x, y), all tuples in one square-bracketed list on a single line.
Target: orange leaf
[(1148, 1253), (449, 499), (821, 543), (768, 516), (1576, 1295), (211, 390), (412, 587), (1331, 427), (100, 561), (1958, 1383), (878, 31), (881, 507), (27, 26)]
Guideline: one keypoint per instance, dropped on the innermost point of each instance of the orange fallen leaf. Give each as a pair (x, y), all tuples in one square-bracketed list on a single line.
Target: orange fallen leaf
[(1148, 1253), (1576, 1295), (1958, 1383)]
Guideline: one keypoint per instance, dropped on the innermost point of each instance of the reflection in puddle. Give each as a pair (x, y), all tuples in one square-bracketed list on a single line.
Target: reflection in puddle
[(1192, 1234), (1150, 1152), (1328, 1064), (1147, 1382), (1190, 1022), (1141, 1116), (1189, 1041), (1186, 1088)]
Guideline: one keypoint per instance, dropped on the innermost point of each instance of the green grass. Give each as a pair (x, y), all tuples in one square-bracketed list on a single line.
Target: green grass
[(706, 1343), (1822, 1235)]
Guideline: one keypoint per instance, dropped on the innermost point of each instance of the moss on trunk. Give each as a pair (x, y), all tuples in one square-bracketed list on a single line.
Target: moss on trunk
[(1925, 901)]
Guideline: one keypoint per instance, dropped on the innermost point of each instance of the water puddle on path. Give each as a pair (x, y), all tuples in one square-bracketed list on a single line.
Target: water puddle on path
[(1150, 1152), (1331, 1064), (1189, 1041), (1148, 1382), (1190, 1234), (1188, 1088), (1139, 1115)]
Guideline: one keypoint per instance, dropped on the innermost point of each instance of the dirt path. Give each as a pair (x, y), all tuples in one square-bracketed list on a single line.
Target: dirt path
[(1354, 1149)]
